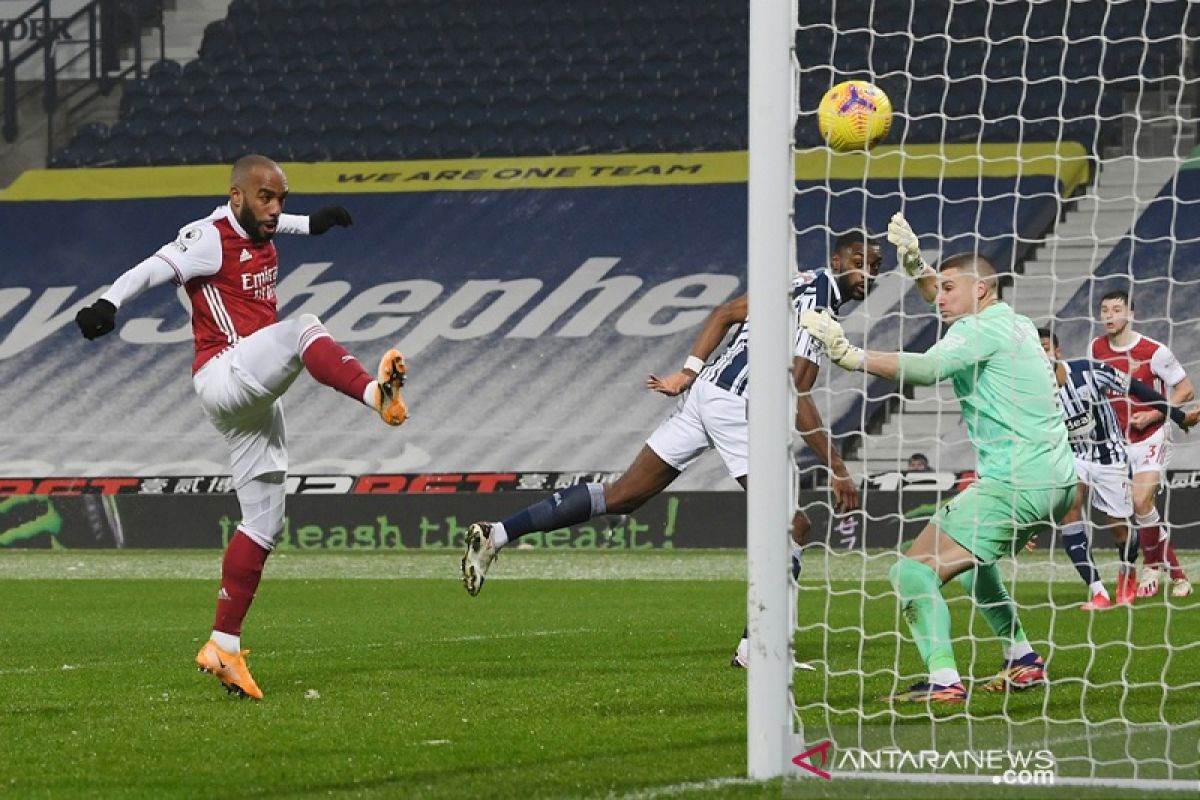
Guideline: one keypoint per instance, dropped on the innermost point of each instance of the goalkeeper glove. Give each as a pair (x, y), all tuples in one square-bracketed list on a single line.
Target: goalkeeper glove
[(908, 250), (826, 330), (326, 218), (97, 319)]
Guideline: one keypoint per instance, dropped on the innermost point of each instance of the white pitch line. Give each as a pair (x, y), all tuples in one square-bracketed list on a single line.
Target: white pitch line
[(681, 788)]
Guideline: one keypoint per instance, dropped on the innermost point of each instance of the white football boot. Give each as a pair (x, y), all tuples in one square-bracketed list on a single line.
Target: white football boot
[(479, 556)]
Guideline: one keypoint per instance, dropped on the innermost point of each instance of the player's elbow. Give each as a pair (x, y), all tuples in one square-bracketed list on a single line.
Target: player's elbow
[(731, 312)]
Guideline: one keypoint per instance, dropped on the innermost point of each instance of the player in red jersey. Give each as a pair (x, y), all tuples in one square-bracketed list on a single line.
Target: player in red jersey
[(1148, 439), (245, 360)]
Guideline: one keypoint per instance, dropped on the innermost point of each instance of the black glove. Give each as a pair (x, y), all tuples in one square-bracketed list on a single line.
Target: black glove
[(97, 319), (326, 218)]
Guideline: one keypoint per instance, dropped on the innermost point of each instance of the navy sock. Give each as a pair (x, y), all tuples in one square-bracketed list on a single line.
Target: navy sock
[(1075, 542), (568, 507), (1129, 550)]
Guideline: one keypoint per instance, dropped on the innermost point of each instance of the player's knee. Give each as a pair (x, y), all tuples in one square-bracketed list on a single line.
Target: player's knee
[(258, 537), (908, 573), (262, 503), (896, 573), (967, 581)]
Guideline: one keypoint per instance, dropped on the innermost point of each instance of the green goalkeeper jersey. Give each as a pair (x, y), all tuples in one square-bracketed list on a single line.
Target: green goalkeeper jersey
[(1006, 386)]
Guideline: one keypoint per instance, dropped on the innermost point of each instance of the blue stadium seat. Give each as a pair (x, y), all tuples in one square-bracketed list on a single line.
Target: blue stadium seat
[(130, 131), (219, 42), (95, 132), (165, 72), (462, 77), (197, 71)]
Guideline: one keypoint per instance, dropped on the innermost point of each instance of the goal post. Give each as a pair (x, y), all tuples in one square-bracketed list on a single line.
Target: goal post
[(770, 494)]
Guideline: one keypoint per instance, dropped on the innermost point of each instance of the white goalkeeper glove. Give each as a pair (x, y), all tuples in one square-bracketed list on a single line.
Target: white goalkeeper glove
[(908, 250), (826, 330)]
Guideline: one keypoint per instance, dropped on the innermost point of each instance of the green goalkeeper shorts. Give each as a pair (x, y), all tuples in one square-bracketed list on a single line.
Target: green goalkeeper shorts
[(993, 519)]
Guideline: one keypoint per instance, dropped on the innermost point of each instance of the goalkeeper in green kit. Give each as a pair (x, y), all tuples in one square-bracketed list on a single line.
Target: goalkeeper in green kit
[(1007, 390)]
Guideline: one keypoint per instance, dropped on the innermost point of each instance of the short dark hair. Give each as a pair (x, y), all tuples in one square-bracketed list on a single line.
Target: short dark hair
[(959, 260), (1046, 333), (856, 236), (979, 264), (1119, 294), (921, 456)]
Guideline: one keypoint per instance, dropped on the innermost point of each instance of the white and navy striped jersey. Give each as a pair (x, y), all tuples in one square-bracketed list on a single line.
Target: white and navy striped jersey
[(1092, 427), (815, 289)]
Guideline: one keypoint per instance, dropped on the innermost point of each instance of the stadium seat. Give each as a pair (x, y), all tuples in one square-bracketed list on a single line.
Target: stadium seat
[(165, 72), (92, 132), (674, 60), (130, 131)]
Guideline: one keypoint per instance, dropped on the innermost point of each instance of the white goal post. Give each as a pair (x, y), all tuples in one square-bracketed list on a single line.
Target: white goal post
[(770, 494)]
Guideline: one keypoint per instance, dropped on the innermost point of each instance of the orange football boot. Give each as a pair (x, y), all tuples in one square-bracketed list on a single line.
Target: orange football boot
[(388, 402), (230, 669)]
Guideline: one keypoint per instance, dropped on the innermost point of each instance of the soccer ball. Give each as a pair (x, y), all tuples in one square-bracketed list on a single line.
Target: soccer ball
[(854, 115)]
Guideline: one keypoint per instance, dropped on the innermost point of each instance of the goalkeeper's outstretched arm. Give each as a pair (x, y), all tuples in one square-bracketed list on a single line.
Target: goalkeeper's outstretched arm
[(958, 349)]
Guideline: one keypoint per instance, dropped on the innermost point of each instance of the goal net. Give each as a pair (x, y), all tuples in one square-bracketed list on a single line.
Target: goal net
[(1054, 139)]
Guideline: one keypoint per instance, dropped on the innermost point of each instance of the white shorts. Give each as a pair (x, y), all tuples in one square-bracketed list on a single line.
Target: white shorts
[(706, 417), (1152, 454), (1109, 485), (240, 390)]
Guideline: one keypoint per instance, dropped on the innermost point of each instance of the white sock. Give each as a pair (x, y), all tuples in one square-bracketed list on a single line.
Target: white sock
[(1018, 650), (945, 677), (369, 394), (1096, 588), (227, 641), (498, 536)]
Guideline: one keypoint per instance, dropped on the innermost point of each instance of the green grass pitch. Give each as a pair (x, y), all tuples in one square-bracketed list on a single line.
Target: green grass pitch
[(571, 675)]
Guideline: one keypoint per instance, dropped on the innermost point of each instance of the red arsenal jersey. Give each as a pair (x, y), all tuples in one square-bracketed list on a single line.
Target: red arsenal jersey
[(229, 279), (1150, 362)]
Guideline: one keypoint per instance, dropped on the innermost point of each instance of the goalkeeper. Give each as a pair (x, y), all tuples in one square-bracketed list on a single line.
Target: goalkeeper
[(1006, 387)]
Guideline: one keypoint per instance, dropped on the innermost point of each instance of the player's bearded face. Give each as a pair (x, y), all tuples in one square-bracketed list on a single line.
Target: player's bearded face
[(258, 205), (857, 267)]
